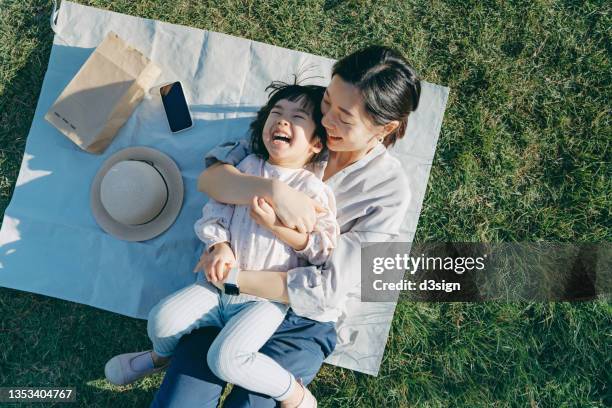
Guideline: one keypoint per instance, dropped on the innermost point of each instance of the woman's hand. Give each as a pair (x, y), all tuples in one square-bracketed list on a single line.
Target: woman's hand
[(216, 263), (293, 208)]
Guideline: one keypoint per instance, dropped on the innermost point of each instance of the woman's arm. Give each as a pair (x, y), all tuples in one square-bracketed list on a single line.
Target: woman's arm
[(332, 282), (226, 184), (271, 285), (311, 290), (222, 181), (314, 291), (223, 178)]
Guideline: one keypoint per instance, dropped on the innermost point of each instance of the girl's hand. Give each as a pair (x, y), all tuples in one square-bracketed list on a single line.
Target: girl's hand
[(216, 263), (263, 213), (295, 209)]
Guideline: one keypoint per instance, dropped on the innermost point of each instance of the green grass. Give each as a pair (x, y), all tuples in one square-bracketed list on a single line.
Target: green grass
[(524, 155)]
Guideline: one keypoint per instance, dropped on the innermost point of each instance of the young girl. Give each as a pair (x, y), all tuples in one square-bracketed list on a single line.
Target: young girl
[(286, 137)]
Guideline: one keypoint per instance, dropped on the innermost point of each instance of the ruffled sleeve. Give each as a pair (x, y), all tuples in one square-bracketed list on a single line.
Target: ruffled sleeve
[(322, 240), (214, 226)]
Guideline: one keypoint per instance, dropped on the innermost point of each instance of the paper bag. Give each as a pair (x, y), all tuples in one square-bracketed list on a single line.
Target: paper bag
[(103, 94)]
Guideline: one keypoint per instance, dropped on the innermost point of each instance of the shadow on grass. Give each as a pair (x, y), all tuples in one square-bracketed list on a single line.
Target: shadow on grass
[(21, 92), (48, 342)]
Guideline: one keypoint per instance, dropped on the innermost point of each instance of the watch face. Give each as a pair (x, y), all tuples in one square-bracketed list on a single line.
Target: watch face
[(231, 289)]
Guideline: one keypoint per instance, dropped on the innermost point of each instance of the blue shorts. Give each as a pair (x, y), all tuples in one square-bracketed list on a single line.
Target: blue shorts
[(299, 345)]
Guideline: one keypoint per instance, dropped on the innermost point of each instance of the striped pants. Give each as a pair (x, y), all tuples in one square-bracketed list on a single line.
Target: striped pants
[(234, 356)]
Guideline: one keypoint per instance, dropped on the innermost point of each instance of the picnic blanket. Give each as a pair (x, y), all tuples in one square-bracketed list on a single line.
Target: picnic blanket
[(50, 243)]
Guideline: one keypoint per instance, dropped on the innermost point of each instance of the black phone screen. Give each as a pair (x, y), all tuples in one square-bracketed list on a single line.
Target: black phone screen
[(175, 106)]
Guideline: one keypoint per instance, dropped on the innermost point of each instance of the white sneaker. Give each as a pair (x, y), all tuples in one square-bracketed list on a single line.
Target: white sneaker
[(118, 370)]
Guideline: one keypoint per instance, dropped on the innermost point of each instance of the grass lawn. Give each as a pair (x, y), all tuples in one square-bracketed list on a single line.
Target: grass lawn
[(523, 156)]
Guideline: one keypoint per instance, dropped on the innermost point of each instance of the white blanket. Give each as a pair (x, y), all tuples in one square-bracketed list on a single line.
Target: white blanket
[(49, 241)]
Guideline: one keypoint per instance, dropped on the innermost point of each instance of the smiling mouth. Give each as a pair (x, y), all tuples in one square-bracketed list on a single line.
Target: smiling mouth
[(281, 137)]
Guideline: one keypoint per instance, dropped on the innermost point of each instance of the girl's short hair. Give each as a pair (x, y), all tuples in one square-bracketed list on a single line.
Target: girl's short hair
[(309, 96), (389, 86)]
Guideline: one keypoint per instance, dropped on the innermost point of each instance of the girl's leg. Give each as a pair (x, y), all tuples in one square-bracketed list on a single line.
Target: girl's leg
[(234, 355), (180, 313), (176, 315), (300, 345)]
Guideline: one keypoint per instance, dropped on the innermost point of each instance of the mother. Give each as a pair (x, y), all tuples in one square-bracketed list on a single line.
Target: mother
[(365, 108)]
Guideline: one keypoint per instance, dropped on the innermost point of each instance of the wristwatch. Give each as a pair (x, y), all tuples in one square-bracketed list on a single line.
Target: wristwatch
[(231, 283)]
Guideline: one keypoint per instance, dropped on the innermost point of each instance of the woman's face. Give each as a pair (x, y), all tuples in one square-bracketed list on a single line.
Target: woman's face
[(345, 119)]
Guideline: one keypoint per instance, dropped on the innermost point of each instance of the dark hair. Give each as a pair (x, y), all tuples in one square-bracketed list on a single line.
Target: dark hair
[(388, 84), (309, 96)]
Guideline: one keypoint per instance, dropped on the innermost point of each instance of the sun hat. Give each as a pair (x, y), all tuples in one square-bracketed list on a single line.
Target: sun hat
[(137, 193)]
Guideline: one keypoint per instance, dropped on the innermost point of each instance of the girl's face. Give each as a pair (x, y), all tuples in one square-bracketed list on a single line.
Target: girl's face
[(345, 119), (288, 134)]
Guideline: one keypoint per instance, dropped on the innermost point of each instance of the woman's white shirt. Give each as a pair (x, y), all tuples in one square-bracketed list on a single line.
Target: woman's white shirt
[(372, 198)]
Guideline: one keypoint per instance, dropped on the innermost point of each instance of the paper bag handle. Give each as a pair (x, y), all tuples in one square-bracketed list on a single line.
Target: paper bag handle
[(53, 21), (54, 15)]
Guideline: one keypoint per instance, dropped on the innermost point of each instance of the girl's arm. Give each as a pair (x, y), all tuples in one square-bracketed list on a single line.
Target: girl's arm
[(295, 239), (263, 214), (315, 246)]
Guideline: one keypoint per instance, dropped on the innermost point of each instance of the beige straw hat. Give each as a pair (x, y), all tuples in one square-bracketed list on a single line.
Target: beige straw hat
[(137, 194)]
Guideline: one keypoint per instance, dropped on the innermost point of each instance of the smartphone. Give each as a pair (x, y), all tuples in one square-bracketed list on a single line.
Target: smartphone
[(175, 105)]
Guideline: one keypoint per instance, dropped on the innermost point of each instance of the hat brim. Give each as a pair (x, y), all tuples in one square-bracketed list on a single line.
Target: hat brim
[(171, 174)]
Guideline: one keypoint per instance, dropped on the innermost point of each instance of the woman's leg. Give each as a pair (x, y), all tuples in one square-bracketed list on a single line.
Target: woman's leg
[(234, 355), (299, 345), (188, 382), (180, 313)]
